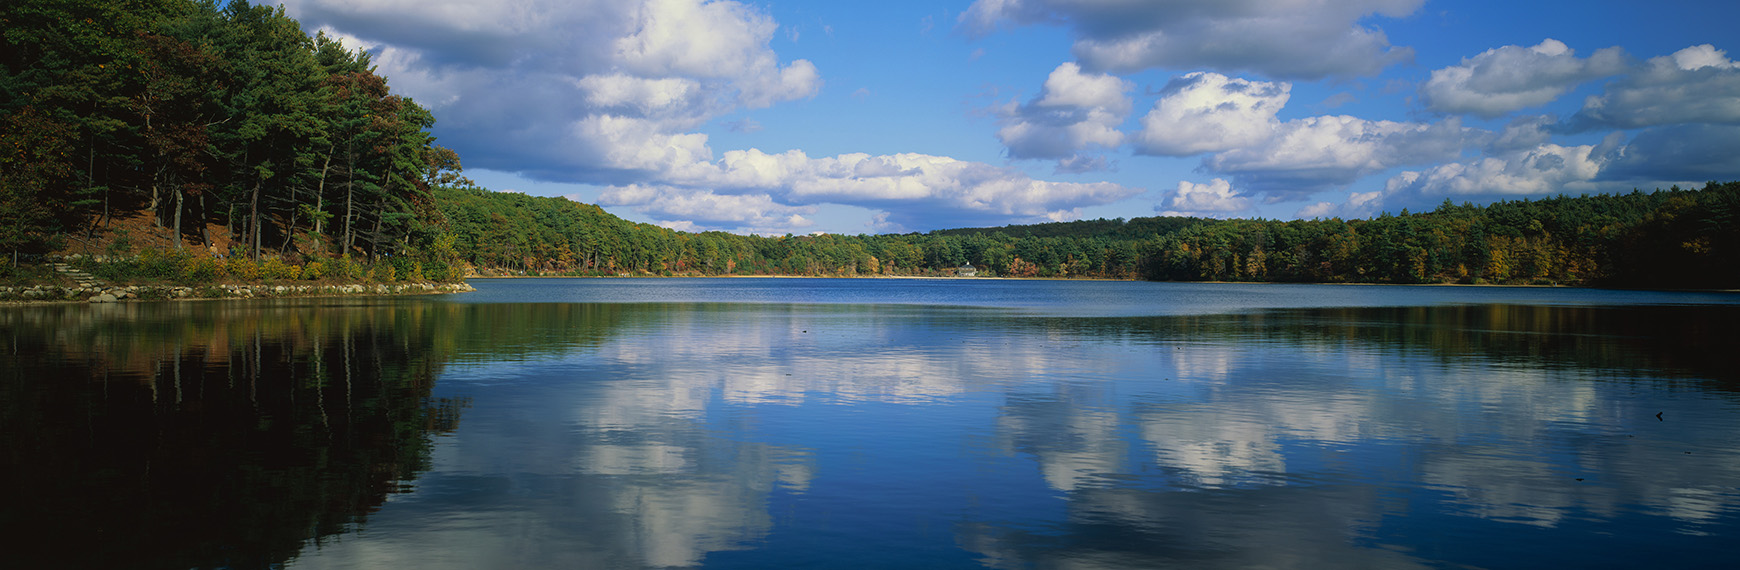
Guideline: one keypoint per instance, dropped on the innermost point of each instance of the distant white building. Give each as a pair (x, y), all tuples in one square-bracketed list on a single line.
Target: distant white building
[(966, 270)]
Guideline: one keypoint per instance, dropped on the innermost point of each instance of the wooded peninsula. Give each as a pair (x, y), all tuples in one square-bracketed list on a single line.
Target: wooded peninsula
[(197, 141)]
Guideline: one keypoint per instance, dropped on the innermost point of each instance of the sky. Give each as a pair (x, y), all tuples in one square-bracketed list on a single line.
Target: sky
[(897, 116)]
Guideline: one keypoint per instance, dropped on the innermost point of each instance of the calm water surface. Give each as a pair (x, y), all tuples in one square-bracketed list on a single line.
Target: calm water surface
[(797, 423)]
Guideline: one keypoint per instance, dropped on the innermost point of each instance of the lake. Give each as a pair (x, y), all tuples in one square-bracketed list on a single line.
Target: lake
[(877, 423)]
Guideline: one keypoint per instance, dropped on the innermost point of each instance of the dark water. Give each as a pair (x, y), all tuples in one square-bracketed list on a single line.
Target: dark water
[(762, 423)]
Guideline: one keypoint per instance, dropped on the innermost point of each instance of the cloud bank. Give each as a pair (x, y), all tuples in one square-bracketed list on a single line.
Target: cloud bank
[(1294, 39), (1502, 80), (1698, 84), (621, 93), (611, 93)]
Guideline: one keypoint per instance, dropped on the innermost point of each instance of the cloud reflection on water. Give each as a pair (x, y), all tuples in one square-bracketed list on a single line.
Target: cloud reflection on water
[(1276, 439)]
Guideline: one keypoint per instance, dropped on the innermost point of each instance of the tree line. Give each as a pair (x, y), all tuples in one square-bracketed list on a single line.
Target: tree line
[(1666, 238), (205, 114), (533, 235)]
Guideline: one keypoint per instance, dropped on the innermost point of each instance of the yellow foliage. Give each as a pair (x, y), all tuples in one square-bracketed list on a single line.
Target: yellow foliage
[(345, 268), (242, 268), (277, 269), (201, 269), (382, 272), (1498, 259), (313, 270)]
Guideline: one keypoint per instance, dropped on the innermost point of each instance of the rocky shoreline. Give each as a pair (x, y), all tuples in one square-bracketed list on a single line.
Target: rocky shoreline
[(113, 294)]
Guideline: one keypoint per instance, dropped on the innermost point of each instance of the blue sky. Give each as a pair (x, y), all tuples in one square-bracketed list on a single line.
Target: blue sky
[(894, 116)]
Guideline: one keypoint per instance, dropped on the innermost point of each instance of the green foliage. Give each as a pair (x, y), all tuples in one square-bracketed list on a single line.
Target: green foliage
[(1667, 238), (344, 268), (150, 265), (313, 270), (1672, 238), (383, 273), (403, 268), (204, 113), (201, 270), (121, 245), (242, 268), (275, 268), (35, 153), (162, 265)]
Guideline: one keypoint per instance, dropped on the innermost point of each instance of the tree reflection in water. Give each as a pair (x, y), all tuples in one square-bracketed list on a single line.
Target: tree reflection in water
[(206, 434)]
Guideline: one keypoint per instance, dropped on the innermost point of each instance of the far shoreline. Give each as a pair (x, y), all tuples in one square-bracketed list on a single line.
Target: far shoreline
[(950, 278)]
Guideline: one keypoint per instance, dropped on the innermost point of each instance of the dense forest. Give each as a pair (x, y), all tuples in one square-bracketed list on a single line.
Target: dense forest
[(1667, 238), (241, 137), (205, 115)]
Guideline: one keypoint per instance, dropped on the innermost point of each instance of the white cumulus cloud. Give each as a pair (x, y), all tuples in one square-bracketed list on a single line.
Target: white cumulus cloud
[(584, 91), (612, 92), (1217, 199), (1209, 112), (1306, 155), (1075, 111), (916, 190), (1302, 39), (1656, 158), (1358, 205), (691, 210), (1677, 154), (1506, 79), (1548, 168), (1698, 84)]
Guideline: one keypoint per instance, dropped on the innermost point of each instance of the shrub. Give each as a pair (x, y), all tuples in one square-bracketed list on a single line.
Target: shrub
[(435, 270), (201, 269), (382, 272), (345, 268), (155, 264), (113, 271), (242, 268), (313, 270), (401, 264), (276, 269), (121, 245)]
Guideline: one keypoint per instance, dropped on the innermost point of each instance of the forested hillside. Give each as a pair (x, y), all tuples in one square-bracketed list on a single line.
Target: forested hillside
[(236, 134), (1668, 238)]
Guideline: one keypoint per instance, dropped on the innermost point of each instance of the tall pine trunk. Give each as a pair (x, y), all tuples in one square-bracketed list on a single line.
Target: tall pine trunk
[(204, 231), (290, 229), (254, 219), (176, 227), (320, 189), (375, 240), (349, 206), (349, 198)]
